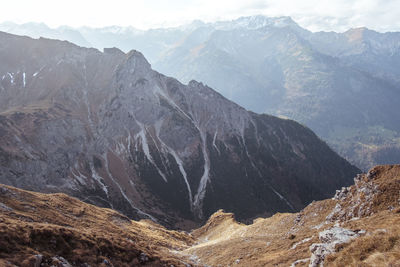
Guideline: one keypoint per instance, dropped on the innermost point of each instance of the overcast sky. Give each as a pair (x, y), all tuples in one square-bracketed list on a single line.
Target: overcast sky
[(315, 15)]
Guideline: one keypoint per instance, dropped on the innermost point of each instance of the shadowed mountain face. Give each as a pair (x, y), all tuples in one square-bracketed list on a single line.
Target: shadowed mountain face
[(106, 128)]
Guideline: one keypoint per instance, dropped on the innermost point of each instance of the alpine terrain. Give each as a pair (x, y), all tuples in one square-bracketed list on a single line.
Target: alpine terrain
[(106, 128), (344, 86), (359, 226)]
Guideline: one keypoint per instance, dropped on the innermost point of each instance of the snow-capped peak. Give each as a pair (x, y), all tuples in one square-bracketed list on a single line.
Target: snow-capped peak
[(256, 22)]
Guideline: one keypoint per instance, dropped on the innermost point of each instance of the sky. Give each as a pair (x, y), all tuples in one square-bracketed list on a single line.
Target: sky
[(315, 15)]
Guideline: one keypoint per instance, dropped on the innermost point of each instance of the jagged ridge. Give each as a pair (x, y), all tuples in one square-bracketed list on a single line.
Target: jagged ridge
[(108, 129)]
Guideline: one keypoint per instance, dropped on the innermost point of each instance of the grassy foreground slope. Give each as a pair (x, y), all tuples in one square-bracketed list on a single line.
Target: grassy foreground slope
[(359, 226)]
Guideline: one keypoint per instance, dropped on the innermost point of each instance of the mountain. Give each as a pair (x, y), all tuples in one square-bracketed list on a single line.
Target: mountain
[(37, 30), (358, 227), (106, 128), (344, 86), (152, 42), (58, 230), (364, 49)]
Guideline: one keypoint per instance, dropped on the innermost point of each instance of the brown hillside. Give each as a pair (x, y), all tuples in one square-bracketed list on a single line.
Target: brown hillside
[(37, 227), (368, 211), (360, 226)]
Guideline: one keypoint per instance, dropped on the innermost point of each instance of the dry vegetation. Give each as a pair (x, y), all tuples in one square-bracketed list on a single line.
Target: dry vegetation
[(283, 239), (56, 225)]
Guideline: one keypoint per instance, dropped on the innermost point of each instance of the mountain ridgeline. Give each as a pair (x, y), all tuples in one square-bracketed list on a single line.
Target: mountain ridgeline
[(106, 128), (344, 86)]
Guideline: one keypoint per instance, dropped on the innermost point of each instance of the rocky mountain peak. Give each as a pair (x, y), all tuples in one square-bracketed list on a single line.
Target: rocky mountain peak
[(113, 51), (260, 21), (136, 60), (356, 34), (110, 130)]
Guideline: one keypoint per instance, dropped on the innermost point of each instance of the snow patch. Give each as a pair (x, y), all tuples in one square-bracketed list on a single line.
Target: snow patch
[(36, 73), (11, 77), (214, 145)]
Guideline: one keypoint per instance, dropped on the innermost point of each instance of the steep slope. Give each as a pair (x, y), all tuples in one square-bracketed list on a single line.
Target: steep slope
[(362, 48), (342, 86), (57, 230), (358, 227), (106, 128)]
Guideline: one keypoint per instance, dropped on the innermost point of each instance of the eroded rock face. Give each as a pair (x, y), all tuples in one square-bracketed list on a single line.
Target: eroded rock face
[(108, 129), (371, 193), (330, 239)]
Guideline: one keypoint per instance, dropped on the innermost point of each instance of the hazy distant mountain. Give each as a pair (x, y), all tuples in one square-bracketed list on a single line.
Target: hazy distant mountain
[(108, 129), (367, 50), (345, 86), (152, 42), (36, 30)]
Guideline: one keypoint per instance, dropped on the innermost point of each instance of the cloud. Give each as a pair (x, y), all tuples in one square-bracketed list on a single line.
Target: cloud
[(338, 15)]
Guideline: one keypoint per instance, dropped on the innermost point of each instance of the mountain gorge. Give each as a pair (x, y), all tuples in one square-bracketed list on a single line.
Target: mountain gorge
[(106, 128), (344, 86)]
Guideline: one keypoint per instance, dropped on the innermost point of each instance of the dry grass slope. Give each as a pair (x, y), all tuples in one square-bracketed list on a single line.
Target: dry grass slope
[(56, 225), (59, 227), (372, 205)]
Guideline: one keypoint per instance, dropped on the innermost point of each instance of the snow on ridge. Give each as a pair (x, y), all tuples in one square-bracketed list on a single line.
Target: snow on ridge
[(254, 22)]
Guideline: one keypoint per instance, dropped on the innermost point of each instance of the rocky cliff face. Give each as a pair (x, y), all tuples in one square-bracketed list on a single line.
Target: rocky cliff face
[(359, 226), (344, 86), (108, 129)]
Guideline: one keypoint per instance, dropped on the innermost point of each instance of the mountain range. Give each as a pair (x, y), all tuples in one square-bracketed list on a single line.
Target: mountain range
[(108, 129), (344, 86)]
